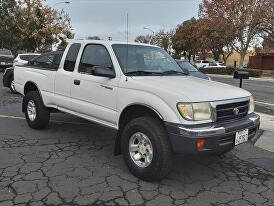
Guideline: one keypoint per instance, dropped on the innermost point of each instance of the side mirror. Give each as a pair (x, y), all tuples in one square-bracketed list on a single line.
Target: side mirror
[(103, 72)]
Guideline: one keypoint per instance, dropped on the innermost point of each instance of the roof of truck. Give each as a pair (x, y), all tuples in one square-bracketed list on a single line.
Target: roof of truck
[(108, 42)]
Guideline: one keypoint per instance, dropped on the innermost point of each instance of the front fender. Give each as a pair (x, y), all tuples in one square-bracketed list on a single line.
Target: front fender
[(127, 97)]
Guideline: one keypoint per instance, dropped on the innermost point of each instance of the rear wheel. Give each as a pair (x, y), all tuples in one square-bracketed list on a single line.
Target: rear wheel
[(146, 149), (37, 115)]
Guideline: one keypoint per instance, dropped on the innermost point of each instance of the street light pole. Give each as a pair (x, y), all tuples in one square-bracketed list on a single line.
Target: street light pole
[(62, 2), (153, 33)]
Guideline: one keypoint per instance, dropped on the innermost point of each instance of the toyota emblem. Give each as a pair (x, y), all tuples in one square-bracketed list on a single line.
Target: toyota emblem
[(236, 111)]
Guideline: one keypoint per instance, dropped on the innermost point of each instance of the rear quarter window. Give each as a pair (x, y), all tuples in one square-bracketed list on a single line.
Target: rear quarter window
[(27, 57), (71, 57)]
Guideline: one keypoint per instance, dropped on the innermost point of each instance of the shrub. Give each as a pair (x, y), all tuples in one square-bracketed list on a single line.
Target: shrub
[(230, 71), (212, 70), (253, 72)]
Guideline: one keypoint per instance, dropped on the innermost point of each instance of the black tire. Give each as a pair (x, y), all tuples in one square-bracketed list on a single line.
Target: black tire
[(42, 113), (162, 160), (12, 89)]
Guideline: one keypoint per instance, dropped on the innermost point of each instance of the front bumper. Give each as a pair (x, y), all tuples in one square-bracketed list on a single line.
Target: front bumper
[(219, 137)]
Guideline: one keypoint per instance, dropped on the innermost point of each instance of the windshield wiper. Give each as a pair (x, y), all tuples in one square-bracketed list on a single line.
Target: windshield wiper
[(141, 73), (172, 72)]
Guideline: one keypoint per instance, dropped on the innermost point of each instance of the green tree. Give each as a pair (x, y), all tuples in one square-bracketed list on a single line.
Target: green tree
[(215, 37), (31, 26), (185, 38), (9, 31)]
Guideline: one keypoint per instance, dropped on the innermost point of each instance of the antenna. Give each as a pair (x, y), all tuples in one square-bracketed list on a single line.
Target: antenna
[(127, 48), (127, 28)]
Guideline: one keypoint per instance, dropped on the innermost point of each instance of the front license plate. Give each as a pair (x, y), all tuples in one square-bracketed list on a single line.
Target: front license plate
[(3, 63), (241, 137)]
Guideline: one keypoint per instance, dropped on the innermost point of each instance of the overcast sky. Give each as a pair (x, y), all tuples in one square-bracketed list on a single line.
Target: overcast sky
[(106, 18)]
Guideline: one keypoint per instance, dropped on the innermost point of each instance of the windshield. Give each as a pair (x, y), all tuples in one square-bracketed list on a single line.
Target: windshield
[(5, 52), (187, 66), (145, 60)]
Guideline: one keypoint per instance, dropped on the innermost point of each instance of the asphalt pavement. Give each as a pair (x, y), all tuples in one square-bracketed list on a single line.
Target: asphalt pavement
[(262, 90), (71, 163)]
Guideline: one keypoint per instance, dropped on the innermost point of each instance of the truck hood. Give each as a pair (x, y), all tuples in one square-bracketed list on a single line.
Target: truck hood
[(189, 89)]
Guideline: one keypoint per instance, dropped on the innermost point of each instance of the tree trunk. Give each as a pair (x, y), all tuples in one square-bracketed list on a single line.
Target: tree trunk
[(243, 54)]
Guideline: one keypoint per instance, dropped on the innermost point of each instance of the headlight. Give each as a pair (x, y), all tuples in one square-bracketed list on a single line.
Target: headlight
[(195, 111), (251, 105)]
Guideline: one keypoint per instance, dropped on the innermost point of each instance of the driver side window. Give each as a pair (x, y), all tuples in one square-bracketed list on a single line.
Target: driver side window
[(94, 55)]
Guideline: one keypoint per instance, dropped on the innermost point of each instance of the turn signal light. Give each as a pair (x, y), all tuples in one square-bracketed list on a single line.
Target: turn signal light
[(200, 144)]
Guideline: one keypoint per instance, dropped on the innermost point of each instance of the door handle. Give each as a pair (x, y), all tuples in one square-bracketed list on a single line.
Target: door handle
[(77, 82), (106, 87)]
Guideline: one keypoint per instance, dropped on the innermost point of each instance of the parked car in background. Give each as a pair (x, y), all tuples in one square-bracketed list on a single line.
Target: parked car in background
[(191, 69), (22, 59), (215, 65), (201, 63), (52, 58), (6, 59)]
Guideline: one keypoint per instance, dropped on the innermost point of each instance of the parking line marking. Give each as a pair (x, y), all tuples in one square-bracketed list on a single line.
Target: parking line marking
[(11, 97), (11, 117), (268, 104)]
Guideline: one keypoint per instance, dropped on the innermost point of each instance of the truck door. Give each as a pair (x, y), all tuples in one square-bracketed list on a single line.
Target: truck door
[(95, 96), (64, 77)]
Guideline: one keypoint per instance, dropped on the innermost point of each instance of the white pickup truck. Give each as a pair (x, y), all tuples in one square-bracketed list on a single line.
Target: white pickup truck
[(140, 91)]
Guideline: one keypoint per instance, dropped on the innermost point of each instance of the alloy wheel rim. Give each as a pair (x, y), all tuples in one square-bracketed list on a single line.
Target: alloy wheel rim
[(31, 109), (140, 149), (13, 86)]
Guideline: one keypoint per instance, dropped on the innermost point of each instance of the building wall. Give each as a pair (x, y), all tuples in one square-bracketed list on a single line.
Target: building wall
[(236, 57), (263, 61)]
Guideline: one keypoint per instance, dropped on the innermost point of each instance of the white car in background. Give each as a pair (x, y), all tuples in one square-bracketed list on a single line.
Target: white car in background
[(215, 65), (201, 63), (22, 59)]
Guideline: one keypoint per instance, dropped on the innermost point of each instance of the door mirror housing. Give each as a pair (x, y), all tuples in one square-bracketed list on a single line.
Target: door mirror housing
[(103, 72)]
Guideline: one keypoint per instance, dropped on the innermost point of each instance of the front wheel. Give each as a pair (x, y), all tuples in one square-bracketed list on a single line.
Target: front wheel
[(146, 149), (37, 115)]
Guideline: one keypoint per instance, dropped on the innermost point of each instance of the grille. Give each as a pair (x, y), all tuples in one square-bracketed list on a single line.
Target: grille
[(225, 112)]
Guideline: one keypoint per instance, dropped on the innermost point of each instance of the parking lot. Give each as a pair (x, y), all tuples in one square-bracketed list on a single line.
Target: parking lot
[(72, 163)]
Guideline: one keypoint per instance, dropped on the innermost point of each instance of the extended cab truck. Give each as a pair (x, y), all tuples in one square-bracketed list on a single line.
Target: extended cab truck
[(140, 91)]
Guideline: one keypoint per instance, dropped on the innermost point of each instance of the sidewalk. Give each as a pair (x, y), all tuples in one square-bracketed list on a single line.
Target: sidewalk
[(270, 79), (266, 140)]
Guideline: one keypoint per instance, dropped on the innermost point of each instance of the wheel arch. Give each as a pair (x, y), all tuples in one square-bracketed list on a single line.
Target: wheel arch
[(29, 87), (130, 112)]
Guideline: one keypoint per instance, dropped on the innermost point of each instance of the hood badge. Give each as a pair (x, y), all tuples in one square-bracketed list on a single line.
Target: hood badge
[(236, 111)]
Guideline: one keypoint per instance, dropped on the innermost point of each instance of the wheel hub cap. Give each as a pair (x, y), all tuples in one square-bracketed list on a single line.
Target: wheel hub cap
[(140, 149), (31, 109), (12, 85)]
